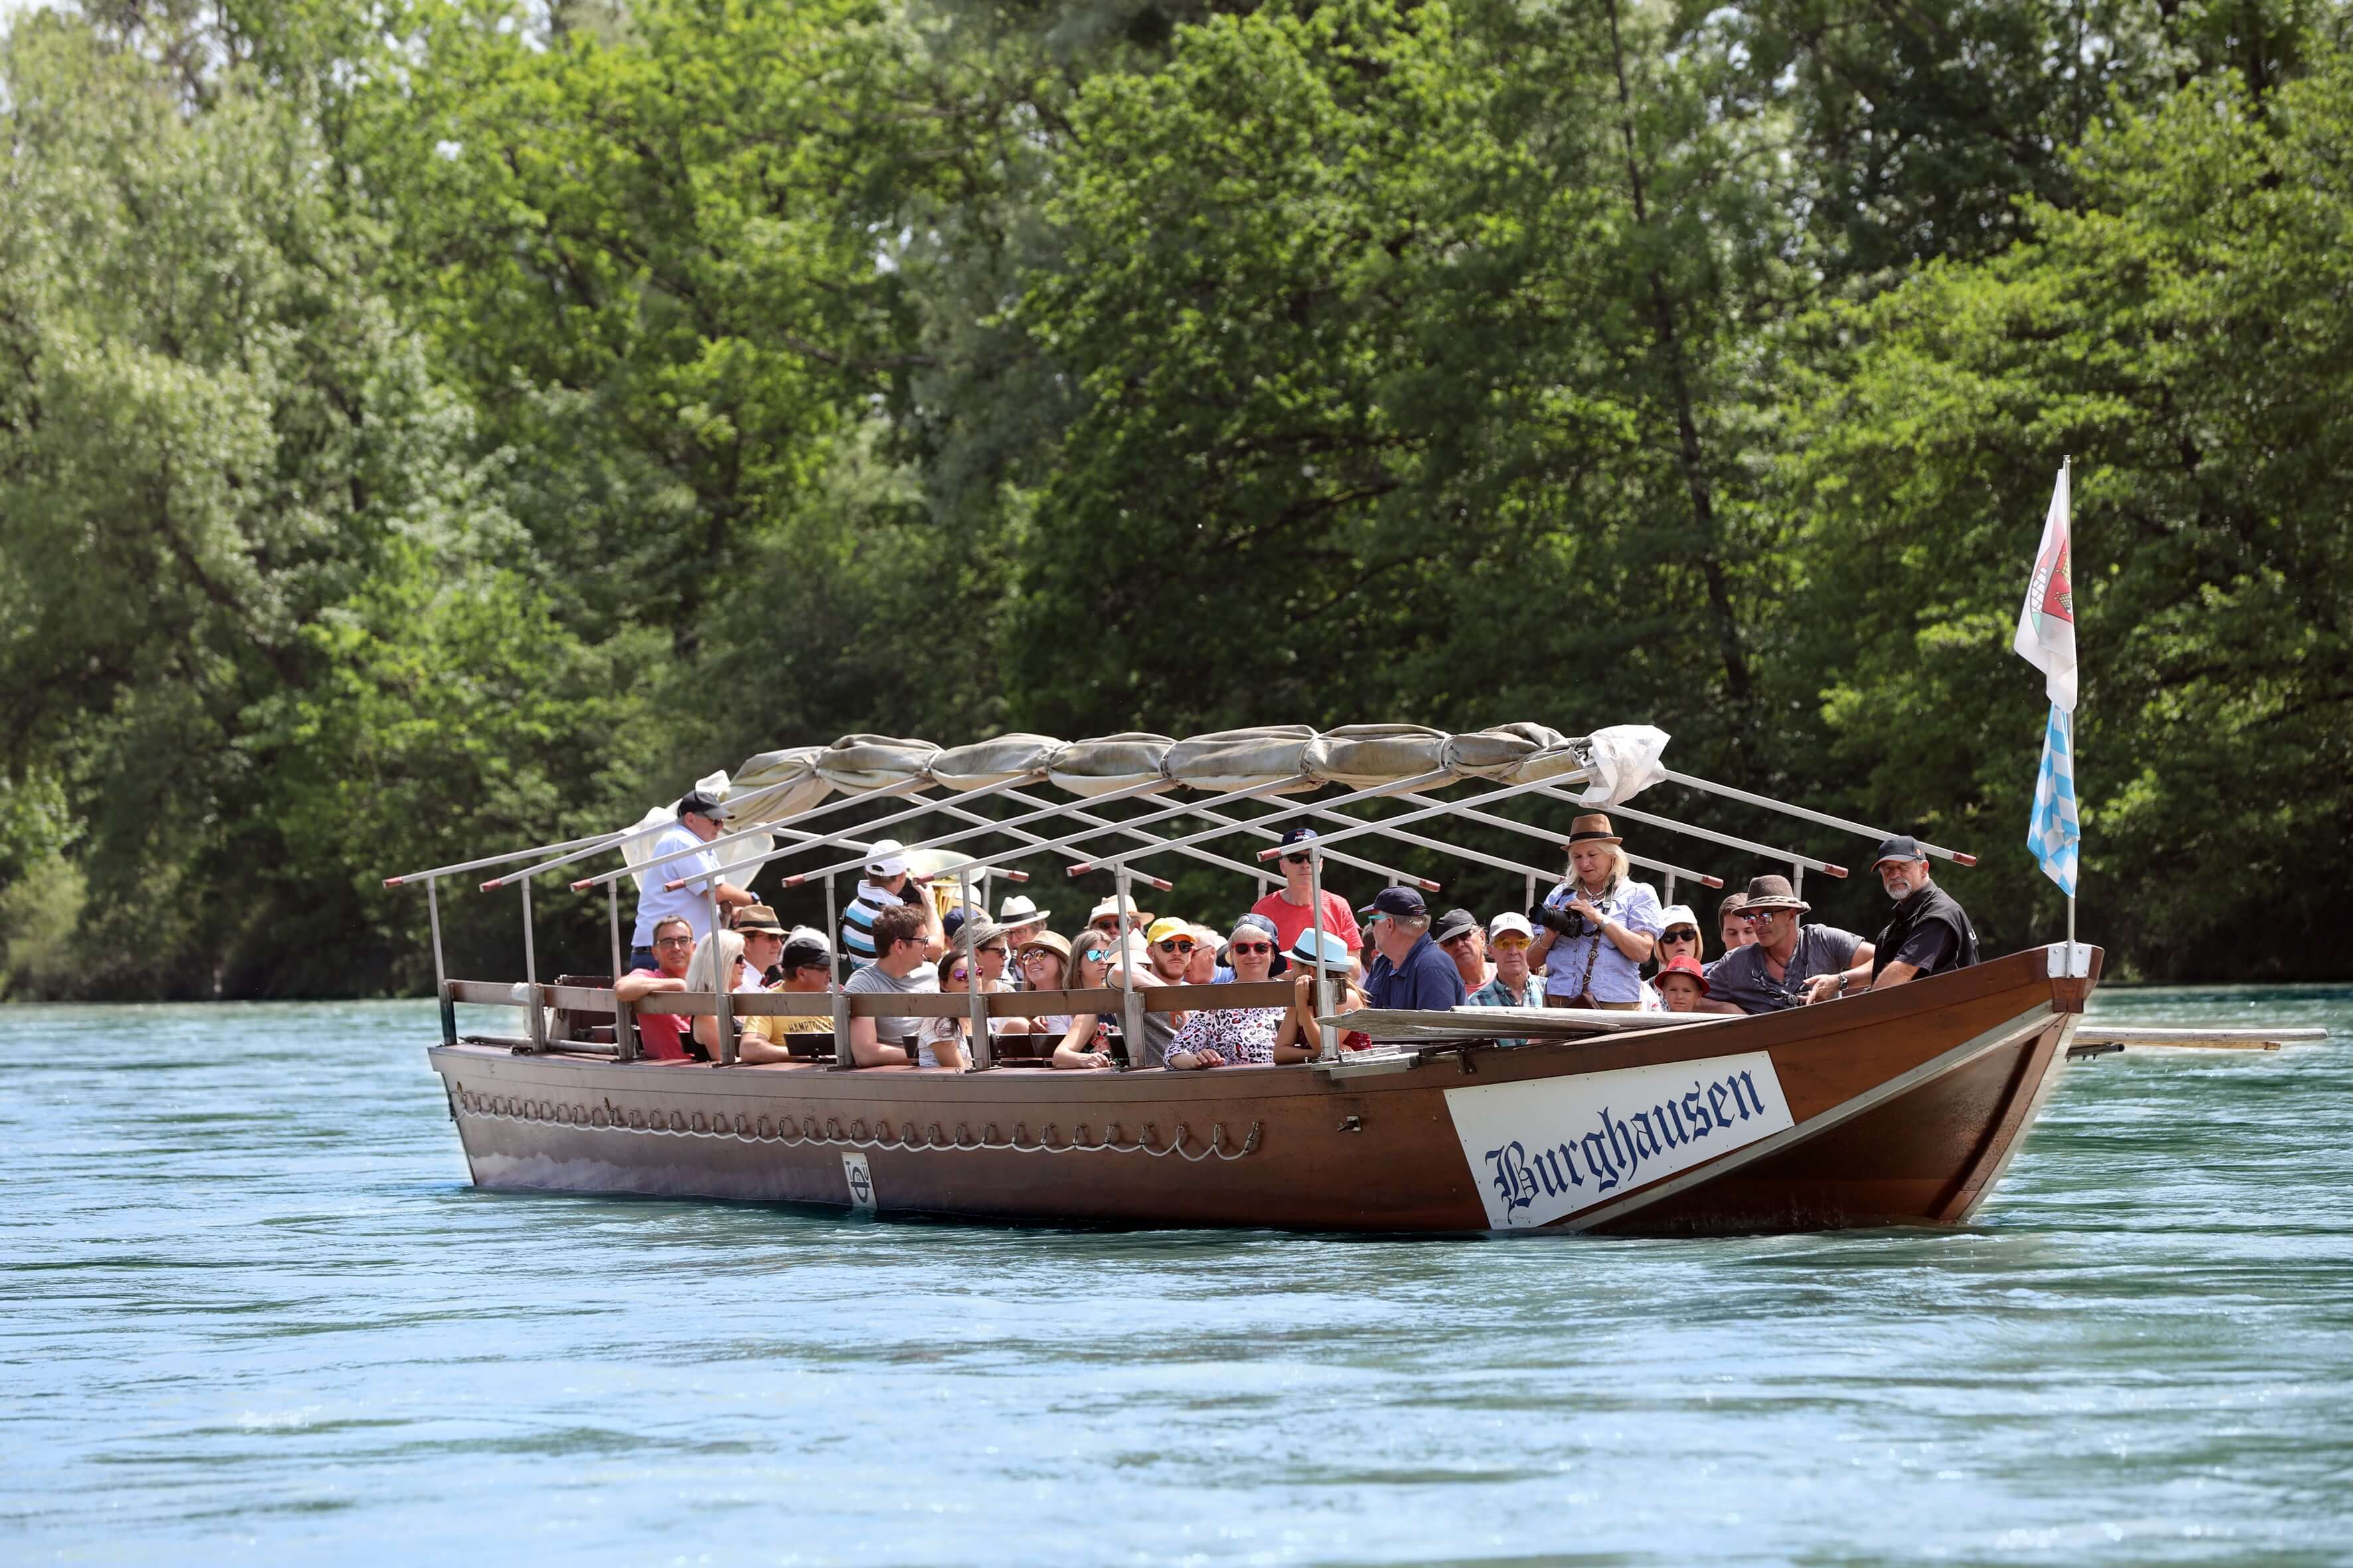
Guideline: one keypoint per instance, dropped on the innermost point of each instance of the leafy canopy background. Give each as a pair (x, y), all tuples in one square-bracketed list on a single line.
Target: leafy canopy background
[(431, 427)]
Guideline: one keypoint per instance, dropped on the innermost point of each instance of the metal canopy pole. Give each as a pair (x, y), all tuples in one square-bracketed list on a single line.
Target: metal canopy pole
[(625, 1020), (1206, 857), (1378, 791), (842, 1055), (724, 1026), (1529, 831), (781, 828), (1150, 786), (1328, 1044), (1407, 786), (487, 862), (440, 970), (1768, 850), (531, 974), (630, 836), (1862, 829), (1251, 826), (1131, 1005), (975, 1010)]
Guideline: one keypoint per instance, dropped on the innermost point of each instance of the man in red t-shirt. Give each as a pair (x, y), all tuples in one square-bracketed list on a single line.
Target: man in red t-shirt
[(1290, 906), (663, 1034)]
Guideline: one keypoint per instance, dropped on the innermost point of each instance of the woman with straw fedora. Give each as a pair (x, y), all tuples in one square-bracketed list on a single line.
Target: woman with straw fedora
[(1596, 929)]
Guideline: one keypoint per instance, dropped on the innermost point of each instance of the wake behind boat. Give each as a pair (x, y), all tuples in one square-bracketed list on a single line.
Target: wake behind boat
[(1902, 1105)]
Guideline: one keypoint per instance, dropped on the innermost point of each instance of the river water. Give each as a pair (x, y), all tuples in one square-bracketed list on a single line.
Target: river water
[(253, 1313)]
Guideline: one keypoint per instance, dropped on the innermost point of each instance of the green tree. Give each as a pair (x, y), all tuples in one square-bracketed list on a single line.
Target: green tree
[(2184, 337)]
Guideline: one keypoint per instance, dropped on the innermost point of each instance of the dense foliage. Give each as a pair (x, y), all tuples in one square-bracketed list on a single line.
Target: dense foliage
[(435, 426)]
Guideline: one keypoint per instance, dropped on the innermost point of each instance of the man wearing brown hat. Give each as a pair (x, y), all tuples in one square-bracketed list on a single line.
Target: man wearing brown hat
[(1770, 974), (764, 943)]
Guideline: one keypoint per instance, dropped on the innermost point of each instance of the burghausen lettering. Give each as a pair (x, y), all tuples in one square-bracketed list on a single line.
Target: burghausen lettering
[(1613, 1155)]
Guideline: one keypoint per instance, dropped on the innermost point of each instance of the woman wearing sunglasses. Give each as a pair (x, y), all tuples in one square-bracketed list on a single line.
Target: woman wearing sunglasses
[(1087, 1038), (941, 1041), (1233, 1036)]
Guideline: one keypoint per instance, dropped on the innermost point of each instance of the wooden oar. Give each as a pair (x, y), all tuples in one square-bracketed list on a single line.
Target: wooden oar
[(2093, 1038)]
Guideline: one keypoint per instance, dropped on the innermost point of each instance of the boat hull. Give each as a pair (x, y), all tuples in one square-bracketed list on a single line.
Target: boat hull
[(1899, 1107)]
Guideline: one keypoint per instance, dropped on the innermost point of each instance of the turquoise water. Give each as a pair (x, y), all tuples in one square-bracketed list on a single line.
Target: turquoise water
[(254, 1314)]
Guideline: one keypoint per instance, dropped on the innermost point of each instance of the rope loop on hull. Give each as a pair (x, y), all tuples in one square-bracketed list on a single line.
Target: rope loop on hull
[(608, 1117)]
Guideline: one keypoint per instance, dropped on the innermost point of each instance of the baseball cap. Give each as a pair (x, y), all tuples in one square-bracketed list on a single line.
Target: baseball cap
[(1403, 902), (1170, 926), (1507, 923), (1903, 847), (1451, 924), (886, 857), (702, 804)]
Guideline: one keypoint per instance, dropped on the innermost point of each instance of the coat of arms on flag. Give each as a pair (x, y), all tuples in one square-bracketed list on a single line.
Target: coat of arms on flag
[(2046, 639), (2046, 623)]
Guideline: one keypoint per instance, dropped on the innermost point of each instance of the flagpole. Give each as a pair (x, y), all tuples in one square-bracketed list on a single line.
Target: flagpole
[(2067, 467)]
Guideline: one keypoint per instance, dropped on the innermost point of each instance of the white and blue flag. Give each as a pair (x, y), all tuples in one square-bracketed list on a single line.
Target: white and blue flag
[(2052, 833)]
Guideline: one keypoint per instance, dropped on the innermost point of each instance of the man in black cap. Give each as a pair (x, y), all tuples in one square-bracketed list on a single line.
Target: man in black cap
[(678, 853), (1928, 935), (1776, 971), (1411, 970), (1458, 935)]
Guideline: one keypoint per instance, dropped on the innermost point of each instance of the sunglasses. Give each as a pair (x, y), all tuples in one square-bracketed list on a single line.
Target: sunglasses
[(1683, 935), (1451, 941), (1251, 947), (1175, 944), (1094, 955), (1294, 859), (1511, 944), (995, 947)]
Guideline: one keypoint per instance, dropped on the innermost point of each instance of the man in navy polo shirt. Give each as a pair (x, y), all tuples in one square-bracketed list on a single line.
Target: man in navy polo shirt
[(1413, 971)]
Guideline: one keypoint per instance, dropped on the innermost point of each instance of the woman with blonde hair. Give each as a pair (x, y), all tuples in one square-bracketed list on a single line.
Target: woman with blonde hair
[(1599, 927), (723, 949)]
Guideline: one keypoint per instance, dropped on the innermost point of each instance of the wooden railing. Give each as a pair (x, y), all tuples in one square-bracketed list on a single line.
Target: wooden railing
[(841, 1006)]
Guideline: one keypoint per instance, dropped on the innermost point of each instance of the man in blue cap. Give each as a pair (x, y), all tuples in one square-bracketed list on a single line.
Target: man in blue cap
[(1413, 971)]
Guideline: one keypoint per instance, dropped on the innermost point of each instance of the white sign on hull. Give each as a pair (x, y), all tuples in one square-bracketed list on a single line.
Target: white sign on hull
[(1544, 1150)]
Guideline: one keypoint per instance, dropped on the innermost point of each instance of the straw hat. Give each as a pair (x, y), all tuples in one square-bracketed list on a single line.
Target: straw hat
[(1019, 910), (1592, 828), (978, 930), (1050, 941)]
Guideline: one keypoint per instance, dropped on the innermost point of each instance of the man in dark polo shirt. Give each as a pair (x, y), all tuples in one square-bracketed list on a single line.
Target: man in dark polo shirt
[(1411, 971), (1929, 935), (1772, 973)]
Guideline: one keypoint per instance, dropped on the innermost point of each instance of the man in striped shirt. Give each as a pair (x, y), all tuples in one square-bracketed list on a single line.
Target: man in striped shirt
[(888, 882)]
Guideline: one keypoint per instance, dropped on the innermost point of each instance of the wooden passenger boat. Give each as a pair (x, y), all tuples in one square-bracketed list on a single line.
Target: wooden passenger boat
[(1902, 1106)]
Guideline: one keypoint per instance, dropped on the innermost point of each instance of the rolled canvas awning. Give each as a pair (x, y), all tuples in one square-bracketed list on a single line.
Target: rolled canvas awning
[(1623, 760)]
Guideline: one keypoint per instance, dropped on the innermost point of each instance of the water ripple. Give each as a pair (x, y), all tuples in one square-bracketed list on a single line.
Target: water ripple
[(255, 1313)]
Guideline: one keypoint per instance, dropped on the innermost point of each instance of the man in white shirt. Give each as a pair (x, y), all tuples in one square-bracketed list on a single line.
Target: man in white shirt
[(678, 853)]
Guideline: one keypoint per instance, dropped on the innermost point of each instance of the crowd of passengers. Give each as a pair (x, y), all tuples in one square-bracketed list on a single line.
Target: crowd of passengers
[(1599, 938)]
